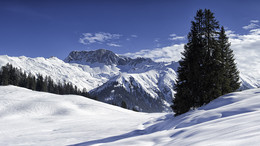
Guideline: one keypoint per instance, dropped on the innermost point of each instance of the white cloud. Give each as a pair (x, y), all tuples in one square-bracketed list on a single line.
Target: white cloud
[(134, 36), (100, 37), (165, 54), (247, 51), (174, 37), (113, 45), (254, 21), (156, 40), (252, 25)]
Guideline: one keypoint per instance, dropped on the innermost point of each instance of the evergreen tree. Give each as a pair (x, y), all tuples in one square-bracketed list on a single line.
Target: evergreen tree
[(61, 89), (50, 87), (31, 82), (39, 83), (203, 68), (230, 80), (85, 93), (5, 75), (212, 67), (23, 79), (123, 105), (45, 82)]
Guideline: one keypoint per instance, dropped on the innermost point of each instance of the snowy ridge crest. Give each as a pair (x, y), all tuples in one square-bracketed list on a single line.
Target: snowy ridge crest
[(102, 56)]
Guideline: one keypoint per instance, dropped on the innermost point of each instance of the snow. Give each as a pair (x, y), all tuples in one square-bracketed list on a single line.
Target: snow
[(84, 76), (36, 118)]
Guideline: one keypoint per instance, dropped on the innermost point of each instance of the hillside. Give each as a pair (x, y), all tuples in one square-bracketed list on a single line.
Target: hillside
[(36, 118)]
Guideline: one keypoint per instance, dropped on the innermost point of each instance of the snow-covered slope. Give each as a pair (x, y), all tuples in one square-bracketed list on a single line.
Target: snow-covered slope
[(84, 76), (36, 118), (232, 119), (250, 80), (150, 91)]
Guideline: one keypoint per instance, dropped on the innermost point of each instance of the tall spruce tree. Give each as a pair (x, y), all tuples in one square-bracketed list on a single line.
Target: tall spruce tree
[(203, 69), (230, 80), (5, 75)]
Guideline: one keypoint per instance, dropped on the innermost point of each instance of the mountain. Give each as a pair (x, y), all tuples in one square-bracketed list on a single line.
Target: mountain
[(38, 118), (151, 91), (151, 83), (141, 83), (99, 56)]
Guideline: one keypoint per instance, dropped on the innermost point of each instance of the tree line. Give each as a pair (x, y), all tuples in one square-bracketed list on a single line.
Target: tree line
[(10, 75), (207, 69)]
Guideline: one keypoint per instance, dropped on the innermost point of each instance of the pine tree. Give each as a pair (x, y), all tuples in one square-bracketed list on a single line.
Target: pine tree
[(50, 85), (5, 75), (39, 83), (230, 80), (31, 82), (23, 79), (188, 81), (123, 105), (207, 68), (212, 67)]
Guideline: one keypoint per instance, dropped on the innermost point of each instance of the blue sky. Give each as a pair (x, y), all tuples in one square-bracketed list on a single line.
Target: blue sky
[(37, 28)]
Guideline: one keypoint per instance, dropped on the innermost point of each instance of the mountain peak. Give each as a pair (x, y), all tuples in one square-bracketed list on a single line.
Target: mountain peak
[(102, 56)]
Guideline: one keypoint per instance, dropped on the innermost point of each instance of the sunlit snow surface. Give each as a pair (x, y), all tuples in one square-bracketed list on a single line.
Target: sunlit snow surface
[(37, 118)]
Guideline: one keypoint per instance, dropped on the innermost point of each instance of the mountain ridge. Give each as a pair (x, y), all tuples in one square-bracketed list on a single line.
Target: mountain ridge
[(102, 56)]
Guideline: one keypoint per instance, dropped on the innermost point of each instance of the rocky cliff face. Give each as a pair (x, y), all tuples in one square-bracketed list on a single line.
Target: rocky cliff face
[(99, 56)]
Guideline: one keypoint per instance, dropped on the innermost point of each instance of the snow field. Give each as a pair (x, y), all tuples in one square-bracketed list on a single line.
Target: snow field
[(232, 119), (36, 118)]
